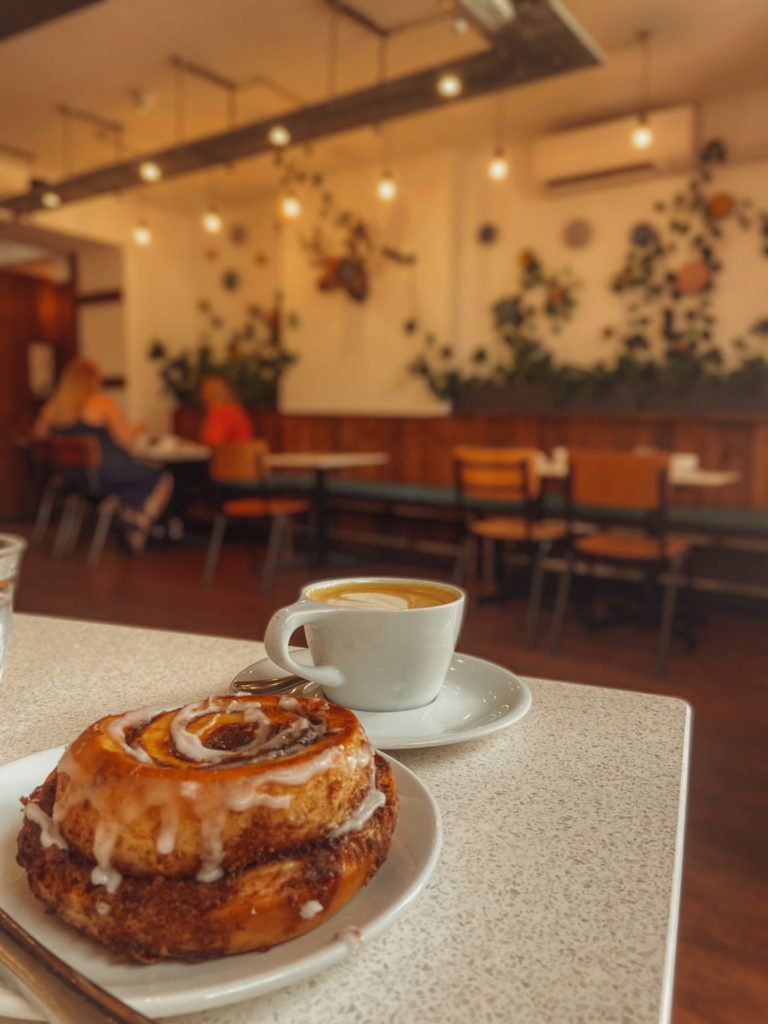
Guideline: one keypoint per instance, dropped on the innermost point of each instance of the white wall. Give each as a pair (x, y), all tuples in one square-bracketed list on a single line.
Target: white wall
[(353, 357)]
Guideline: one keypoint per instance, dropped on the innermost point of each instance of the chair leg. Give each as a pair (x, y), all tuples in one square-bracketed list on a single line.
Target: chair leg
[(488, 560), (276, 534), (561, 601), (107, 509), (214, 548), (534, 598), (69, 514), (465, 567), (43, 517), (667, 616)]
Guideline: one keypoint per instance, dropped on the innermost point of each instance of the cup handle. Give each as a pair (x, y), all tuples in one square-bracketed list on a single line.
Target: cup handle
[(280, 628)]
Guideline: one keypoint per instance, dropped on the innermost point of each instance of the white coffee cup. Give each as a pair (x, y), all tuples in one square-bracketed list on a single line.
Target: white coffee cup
[(378, 643)]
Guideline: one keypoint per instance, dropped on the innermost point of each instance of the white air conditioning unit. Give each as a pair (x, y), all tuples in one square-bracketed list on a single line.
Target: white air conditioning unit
[(598, 153)]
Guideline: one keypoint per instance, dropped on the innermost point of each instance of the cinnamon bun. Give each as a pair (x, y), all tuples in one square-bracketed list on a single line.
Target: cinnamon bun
[(220, 827)]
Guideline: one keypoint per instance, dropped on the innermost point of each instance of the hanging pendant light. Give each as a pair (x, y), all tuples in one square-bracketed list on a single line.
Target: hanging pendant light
[(642, 134), (290, 206), (449, 85), (386, 188), (498, 165), (142, 234), (149, 171), (212, 221)]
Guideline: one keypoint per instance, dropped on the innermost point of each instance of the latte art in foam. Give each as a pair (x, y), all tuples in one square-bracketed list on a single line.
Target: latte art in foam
[(384, 595), (373, 599)]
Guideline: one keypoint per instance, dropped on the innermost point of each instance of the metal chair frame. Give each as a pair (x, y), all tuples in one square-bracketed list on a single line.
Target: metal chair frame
[(245, 463), (488, 475), (654, 525)]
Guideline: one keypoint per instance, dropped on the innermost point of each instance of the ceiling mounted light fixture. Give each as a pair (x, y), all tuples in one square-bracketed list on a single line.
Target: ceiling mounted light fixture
[(279, 135), (50, 199), (642, 134), (149, 171), (142, 234), (488, 15), (449, 85), (551, 41), (212, 221)]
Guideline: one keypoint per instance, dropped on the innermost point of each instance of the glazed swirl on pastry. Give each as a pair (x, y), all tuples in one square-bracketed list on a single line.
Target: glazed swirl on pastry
[(232, 824)]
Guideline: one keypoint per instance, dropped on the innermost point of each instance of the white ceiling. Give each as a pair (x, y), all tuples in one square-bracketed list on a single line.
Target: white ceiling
[(100, 57)]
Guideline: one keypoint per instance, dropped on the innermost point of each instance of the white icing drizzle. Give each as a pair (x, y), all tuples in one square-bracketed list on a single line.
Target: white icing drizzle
[(371, 802), (49, 830), (208, 802), (310, 909), (350, 935), (103, 873), (169, 825)]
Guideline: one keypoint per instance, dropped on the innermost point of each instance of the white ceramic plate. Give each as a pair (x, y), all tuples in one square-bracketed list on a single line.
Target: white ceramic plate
[(478, 697), (169, 988)]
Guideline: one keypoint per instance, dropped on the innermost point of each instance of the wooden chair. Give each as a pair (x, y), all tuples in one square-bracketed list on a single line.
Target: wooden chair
[(74, 466), (621, 483), (486, 479), (244, 464)]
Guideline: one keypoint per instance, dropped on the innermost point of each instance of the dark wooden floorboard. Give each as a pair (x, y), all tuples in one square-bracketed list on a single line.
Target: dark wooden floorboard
[(721, 962)]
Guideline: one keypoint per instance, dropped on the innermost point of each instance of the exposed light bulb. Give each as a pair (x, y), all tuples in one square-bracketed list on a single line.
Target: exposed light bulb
[(279, 135), (150, 171), (290, 206), (386, 188), (50, 199), (498, 166), (212, 221), (449, 85), (642, 134), (460, 26), (142, 234)]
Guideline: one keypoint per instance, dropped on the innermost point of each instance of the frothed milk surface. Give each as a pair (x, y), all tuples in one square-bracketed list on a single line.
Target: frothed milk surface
[(384, 594)]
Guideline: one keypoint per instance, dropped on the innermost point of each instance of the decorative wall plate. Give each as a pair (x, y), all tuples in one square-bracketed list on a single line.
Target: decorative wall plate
[(577, 233)]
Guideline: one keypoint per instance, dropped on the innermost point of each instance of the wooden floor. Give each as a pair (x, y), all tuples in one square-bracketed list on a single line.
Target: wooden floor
[(722, 962)]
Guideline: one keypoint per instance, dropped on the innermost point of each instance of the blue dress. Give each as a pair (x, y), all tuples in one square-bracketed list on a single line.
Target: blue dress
[(119, 473)]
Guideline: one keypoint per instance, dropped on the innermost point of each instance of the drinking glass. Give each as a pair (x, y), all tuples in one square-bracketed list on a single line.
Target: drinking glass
[(11, 550)]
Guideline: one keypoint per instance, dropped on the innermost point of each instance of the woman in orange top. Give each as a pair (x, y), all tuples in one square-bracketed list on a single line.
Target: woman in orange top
[(225, 418)]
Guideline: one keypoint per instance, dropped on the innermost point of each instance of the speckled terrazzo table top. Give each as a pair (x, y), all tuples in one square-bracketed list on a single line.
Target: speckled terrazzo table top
[(555, 897)]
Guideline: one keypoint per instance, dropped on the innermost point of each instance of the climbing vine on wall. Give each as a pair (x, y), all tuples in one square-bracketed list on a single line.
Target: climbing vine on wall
[(669, 334), (669, 279), (542, 303)]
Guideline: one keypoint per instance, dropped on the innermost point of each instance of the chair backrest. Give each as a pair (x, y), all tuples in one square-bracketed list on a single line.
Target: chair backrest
[(239, 461), (617, 479), (496, 474), (76, 458), (76, 451)]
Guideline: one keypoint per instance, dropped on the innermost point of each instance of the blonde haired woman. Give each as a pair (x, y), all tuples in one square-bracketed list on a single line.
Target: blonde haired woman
[(78, 406)]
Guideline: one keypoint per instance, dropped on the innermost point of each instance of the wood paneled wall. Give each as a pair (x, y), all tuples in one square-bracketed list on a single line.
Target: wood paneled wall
[(30, 310), (420, 447)]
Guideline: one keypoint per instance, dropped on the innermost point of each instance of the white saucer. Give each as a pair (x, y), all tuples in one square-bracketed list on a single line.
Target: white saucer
[(166, 988), (478, 697)]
